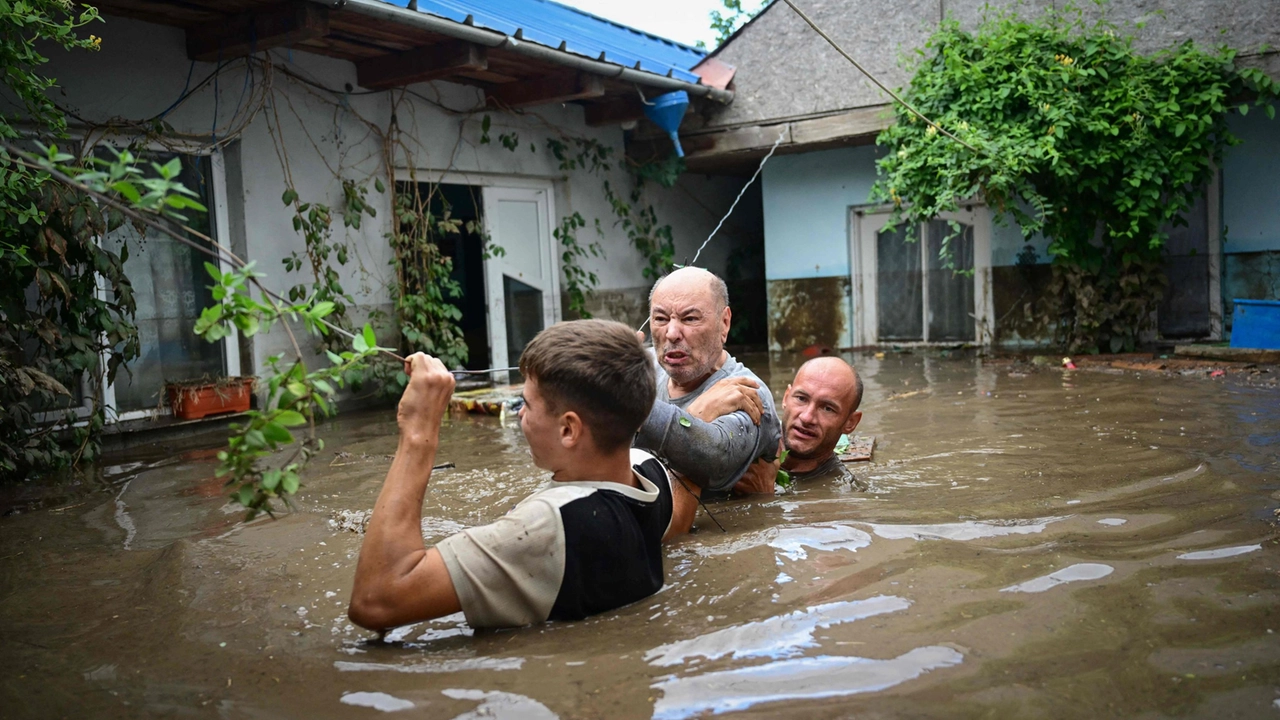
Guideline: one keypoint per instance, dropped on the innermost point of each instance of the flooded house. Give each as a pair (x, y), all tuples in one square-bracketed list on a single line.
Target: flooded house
[(510, 117), (836, 277)]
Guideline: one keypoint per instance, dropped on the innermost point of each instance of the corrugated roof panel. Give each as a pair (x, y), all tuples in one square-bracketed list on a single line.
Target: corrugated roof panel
[(552, 25)]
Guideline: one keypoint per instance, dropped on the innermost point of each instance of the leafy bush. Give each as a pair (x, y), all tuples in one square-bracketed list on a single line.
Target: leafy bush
[(1077, 136)]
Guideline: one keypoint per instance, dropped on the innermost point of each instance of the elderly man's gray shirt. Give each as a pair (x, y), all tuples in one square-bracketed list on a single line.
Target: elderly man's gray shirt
[(716, 454)]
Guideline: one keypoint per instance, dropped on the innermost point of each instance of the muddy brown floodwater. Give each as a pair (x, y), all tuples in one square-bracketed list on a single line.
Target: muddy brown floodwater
[(1035, 543)]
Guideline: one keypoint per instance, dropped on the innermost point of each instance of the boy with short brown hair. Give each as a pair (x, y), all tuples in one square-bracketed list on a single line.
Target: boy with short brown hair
[(589, 542)]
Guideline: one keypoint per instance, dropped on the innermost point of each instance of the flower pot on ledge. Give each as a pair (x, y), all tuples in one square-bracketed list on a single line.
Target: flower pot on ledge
[(194, 399)]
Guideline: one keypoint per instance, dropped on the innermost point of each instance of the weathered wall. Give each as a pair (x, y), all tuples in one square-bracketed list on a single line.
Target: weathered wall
[(1251, 184), (784, 70), (809, 311), (142, 68), (806, 210)]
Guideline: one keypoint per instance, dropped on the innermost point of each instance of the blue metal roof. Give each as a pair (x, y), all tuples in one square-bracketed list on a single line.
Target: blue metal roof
[(552, 24)]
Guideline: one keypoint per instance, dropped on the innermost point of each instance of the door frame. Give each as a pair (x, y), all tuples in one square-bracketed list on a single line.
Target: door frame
[(865, 222), (496, 268), (486, 181)]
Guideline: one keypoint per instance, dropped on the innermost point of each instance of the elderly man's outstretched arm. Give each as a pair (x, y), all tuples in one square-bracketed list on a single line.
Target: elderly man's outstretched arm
[(712, 454)]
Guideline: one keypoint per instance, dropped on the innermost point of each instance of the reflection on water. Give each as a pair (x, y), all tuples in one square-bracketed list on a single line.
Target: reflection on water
[(1127, 520), (792, 541), (376, 700), (969, 530), (1073, 573), (1219, 553), (803, 679), (500, 706), (777, 637), (438, 666)]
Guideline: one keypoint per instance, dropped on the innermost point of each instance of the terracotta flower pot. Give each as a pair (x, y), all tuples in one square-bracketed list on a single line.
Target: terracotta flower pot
[(193, 401)]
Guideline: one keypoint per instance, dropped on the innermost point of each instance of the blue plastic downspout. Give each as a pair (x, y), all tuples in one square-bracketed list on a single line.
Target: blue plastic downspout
[(666, 111)]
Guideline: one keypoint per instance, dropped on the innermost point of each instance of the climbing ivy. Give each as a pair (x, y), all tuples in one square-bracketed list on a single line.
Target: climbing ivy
[(577, 281), (314, 221), (425, 287), (55, 323), (1079, 137)]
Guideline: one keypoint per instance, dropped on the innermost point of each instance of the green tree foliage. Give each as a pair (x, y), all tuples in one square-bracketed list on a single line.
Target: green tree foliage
[(54, 322), (1079, 137), (727, 23)]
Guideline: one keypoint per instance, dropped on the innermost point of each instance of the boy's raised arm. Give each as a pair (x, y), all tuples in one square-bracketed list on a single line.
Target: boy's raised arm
[(398, 579)]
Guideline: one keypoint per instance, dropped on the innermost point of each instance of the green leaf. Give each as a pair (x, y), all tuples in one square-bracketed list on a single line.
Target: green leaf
[(290, 482), (289, 196), (322, 309), (270, 479), (291, 418), (684, 422), (370, 339), (276, 433), (377, 185), (1270, 110)]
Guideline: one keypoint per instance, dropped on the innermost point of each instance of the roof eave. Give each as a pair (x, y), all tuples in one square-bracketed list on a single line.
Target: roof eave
[(493, 39)]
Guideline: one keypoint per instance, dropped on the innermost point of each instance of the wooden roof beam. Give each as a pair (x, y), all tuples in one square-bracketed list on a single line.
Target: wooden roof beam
[(430, 62), (548, 90), (616, 112), (279, 26)]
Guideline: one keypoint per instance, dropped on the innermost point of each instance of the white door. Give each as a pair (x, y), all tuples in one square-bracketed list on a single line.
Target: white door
[(522, 282), (905, 295)]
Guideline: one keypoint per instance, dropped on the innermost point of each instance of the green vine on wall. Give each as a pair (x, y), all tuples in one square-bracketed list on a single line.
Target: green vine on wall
[(314, 221), (425, 286), (577, 281)]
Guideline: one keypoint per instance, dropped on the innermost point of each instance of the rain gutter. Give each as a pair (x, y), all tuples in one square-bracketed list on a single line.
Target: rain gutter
[(492, 39)]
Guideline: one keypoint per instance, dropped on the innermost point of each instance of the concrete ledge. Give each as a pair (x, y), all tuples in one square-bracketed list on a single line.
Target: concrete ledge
[(1222, 352)]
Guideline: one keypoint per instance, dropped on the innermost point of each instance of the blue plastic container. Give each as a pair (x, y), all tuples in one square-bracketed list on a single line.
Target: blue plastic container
[(1256, 324), (666, 111)]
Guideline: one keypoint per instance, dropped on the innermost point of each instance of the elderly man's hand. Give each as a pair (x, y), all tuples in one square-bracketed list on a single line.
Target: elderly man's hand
[(760, 477), (728, 396), (425, 399)]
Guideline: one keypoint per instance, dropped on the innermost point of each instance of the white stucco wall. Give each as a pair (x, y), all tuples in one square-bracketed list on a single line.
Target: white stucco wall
[(142, 68)]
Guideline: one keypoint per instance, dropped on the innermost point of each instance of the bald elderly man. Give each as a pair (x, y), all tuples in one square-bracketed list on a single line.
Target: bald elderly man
[(819, 406), (714, 440)]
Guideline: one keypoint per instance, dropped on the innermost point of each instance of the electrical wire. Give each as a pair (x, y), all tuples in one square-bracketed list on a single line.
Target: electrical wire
[(741, 192), (874, 79)]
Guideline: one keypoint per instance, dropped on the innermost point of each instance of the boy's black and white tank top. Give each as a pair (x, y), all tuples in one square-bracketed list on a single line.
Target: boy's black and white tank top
[(566, 552)]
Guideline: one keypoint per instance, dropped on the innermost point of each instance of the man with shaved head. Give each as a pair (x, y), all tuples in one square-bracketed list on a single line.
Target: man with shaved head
[(715, 438), (819, 406)]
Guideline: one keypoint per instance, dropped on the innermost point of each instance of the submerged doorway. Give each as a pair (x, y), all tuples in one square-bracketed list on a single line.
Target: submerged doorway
[(522, 275), (905, 294), (503, 262), (466, 250)]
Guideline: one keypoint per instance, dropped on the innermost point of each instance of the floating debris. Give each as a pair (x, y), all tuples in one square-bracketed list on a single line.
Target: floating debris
[(487, 401), (350, 520), (856, 449)]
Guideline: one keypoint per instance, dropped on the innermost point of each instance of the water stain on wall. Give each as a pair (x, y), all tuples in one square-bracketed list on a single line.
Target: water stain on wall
[(808, 311)]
